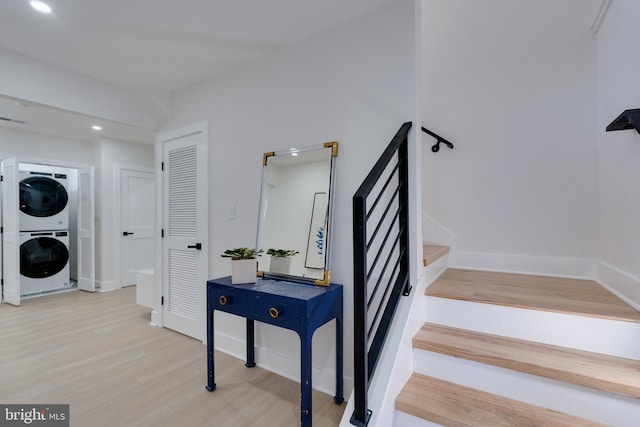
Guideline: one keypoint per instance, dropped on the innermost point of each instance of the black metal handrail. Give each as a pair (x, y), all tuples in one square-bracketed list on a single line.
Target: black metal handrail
[(440, 140), (381, 259)]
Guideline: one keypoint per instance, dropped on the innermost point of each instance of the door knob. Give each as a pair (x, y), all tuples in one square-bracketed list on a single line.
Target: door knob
[(197, 246), (126, 233)]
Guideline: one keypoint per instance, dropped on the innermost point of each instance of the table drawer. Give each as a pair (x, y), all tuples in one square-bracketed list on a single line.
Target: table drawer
[(276, 313), (232, 302)]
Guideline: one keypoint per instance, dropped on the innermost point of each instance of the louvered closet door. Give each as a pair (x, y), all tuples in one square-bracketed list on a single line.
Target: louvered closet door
[(185, 234)]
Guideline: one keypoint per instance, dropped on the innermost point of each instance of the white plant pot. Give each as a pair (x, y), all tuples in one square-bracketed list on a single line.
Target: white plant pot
[(243, 271), (280, 265)]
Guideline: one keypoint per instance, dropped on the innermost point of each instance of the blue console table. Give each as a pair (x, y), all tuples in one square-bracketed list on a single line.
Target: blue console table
[(296, 306)]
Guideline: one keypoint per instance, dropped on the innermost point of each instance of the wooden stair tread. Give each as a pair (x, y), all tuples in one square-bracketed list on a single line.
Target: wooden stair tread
[(560, 295), (599, 371), (451, 404), (431, 253)]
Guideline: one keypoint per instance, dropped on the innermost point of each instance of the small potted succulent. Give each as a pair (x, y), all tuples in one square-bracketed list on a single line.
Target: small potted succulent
[(281, 260), (244, 266)]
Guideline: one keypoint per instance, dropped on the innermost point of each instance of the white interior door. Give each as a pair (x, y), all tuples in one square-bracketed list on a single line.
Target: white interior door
[(11, 235), (137, 223), (86, 231), (185, 230), (1, 222)]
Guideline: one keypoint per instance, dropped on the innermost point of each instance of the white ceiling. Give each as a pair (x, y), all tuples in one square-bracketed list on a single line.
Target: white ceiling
[(165, 44)]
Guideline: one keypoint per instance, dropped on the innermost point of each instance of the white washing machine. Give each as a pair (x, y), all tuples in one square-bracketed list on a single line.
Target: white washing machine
[(44, 201), (44, 261)]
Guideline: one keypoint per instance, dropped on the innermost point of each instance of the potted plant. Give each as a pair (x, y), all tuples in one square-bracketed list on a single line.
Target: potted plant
[(243, 264), (281, 260)]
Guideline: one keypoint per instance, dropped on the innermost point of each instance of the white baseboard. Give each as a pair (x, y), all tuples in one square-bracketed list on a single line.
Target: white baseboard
[(621, 284), (524, 264), (434, 232), (111, 285), (155, 319), (323, 380)]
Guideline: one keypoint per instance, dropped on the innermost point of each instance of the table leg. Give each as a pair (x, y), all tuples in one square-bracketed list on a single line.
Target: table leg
[(339, 397), (251, 358), (211, 385), (305, 380)]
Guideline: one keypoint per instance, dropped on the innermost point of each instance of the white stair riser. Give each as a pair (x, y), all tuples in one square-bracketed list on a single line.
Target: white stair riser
[(603, 407), (402, 419), (603, 336)]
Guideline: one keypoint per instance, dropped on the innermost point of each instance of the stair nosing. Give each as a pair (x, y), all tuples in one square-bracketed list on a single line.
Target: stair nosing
[(497, 351), (429, 257), (484, 404), (448, 286)]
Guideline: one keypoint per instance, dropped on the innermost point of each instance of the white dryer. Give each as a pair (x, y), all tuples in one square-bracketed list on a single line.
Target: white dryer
[(44, 201), (44, 261)]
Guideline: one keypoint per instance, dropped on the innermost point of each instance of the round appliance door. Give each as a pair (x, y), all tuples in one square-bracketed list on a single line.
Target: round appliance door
[(42, 197), (42, 257)]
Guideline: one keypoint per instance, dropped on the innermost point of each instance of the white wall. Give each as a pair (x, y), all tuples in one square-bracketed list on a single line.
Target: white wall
[(107, 153), (16, 143), (32, 80), (513, 85), (353, 84), (619, 152)]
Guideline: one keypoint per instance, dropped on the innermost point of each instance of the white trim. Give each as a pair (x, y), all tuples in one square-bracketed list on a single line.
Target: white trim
[(619, 283), (53, 163), (574, 268), (601, 14), (102, 286), (434, 232)]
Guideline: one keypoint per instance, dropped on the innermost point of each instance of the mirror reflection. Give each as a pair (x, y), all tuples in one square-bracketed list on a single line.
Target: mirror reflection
[(295, 207)]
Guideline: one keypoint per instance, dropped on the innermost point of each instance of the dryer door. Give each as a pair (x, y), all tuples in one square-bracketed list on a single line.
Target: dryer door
[(43, 257), (42, 197)]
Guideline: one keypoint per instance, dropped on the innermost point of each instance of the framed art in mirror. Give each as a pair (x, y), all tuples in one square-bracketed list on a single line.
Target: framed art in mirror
[(294, 226)]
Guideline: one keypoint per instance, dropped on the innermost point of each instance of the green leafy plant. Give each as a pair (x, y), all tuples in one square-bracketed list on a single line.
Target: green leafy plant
[(282, 253), (241, 253)]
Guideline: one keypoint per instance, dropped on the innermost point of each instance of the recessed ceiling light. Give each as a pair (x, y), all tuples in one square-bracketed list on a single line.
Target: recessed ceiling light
[(96, 127), (40, 6)]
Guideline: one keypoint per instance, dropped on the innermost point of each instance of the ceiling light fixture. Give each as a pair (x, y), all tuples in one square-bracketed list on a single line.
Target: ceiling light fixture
[(96, 127), (40, 6)]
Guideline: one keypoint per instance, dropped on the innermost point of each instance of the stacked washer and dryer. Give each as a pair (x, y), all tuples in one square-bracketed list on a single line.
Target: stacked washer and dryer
[(44, 232)]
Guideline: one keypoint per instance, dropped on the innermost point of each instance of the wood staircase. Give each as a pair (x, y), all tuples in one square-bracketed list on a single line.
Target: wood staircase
[(517, 350)]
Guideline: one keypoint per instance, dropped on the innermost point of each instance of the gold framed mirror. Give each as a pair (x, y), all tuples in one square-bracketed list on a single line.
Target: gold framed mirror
[(294, 226)]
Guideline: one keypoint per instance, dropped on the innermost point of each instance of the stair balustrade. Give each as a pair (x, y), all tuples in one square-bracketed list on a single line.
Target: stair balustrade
[(381, 261)]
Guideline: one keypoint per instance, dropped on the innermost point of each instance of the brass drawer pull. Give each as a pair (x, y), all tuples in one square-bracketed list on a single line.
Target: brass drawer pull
[(274, 312), (223, 300)]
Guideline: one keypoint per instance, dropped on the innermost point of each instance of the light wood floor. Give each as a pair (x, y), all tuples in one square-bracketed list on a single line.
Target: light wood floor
[(572, 296), (98, 353)]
